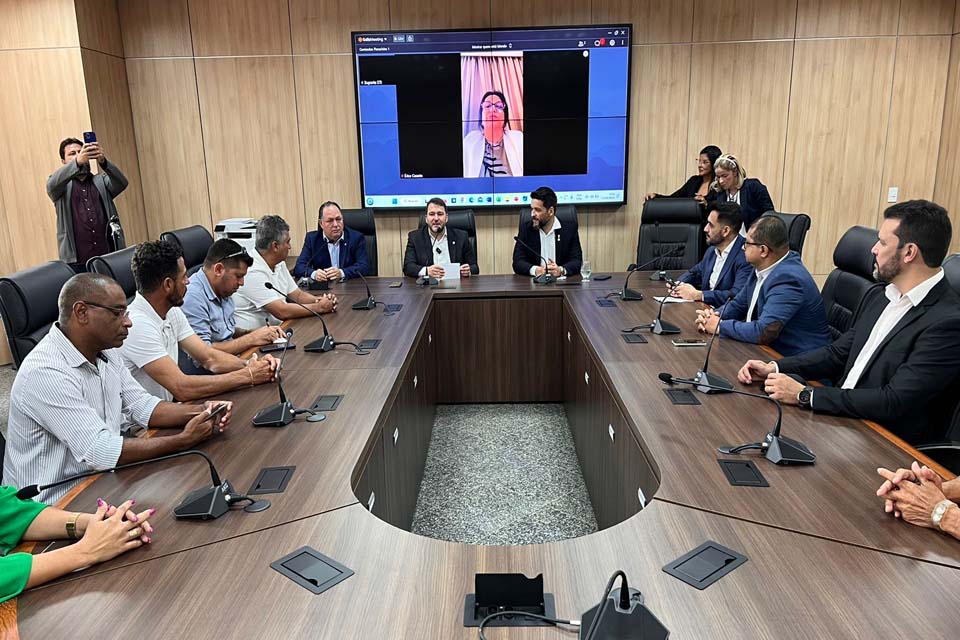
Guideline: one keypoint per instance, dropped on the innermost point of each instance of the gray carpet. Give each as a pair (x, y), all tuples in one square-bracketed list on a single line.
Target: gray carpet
[(502, 475), (7, 374)]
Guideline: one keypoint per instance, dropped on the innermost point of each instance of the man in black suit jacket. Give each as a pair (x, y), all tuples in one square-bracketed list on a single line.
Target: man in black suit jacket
[(436, 244), (897, 364), (558, 243)]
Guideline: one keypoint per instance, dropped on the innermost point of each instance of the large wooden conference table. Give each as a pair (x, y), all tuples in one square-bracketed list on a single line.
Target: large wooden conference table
[(824, 559)]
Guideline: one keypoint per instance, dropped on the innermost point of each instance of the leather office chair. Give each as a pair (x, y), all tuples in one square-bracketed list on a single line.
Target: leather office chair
[(848, 284), (28, 305), (670, 225), (951, 269), (362, 221), (194, 242), (947, 452), (565, 213), (117, 265), (462, 219), (797, 226)]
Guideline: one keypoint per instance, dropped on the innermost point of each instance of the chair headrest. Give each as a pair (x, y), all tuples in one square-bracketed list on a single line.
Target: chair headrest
[(672, 210), (951, 269), (194, 242), (853, 251), (462, 219), (118, 265), (30, 296), (360, 220)]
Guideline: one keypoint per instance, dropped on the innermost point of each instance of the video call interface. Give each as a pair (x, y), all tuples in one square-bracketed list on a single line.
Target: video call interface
[(482, 118)]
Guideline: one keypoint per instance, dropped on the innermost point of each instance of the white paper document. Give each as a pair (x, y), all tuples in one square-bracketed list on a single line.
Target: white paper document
[(670, 299), (451, 271)]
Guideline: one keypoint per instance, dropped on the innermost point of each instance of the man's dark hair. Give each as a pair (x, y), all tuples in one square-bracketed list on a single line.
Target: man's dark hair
[(546, 196), (772, 232), (230, 252), (437, 201), (506, 109), (925, 224), (66, 143), (728, 213), (328, 203), (154, 262), (712, 152)]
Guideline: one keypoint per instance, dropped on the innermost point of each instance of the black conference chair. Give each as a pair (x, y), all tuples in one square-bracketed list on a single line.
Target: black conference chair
[(194, 242), (670, 226), (848, 284), (28, 305), (797, 226), (951, 269), (362, 221), (565, 213), (947, 452), (117, 265), (462, 219)]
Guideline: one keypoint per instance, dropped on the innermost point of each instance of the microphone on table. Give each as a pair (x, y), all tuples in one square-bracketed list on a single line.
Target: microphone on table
[(327, 342), (632, 294), (282, 413), (369, 303), (203, 504), (775, 448), (621, 614), (543, 278), (712, 383)]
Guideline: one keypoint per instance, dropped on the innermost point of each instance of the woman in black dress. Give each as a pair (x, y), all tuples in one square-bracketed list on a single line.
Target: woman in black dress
[(697, 186)]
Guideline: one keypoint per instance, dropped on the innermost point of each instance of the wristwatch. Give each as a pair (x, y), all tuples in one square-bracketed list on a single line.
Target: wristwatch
[(805, 397), (938, 512)]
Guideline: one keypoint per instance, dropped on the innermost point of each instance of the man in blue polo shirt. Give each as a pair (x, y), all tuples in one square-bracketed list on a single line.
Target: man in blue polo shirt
[(209, 304)]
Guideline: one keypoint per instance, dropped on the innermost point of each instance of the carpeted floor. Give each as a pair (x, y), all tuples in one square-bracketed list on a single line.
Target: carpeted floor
[(502, 475), (7, 374)]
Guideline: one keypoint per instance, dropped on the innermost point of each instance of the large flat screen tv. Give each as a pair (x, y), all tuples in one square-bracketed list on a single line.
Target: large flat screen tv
[(481, 118)]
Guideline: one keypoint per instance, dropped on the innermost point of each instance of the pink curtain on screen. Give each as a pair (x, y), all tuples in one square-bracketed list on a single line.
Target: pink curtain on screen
[(479, 74)]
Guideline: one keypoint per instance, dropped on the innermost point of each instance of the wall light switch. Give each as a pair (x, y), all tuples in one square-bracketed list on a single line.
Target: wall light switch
[(892, 194)]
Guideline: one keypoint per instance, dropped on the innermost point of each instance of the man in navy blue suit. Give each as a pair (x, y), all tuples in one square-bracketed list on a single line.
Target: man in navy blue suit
[(559, 244), (724, 269), (334, 252), (780, 306)]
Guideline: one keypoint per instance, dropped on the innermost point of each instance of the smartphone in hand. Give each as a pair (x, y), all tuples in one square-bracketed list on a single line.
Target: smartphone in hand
[(89, 137)]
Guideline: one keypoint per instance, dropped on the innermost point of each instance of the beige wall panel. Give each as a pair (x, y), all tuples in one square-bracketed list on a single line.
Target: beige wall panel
[(249, 118), (743, 19), (947, 192), (166, 116), (916, 113), (513, 13), (7, 267), (439, 14), (389, 247), (504, 229), (153, 29), (654, 21), (755, 130), (604, 240), (839, 109), (324, 26), (35, 24), (829, 18), (45, 101), (956, 18), (328, 124), (244, 27), (920, 17), (485, 242), (98, 23)]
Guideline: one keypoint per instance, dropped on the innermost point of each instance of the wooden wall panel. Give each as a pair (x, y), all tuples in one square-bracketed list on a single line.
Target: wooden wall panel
[(439, 14), (44, 102), (248, 27), (504, 229), (110, 116), (324, 26), (654, 21), (7, 266), (249, 118), (838, 120), (754, 129), (717, 20), (152, 29), (166, 116), (947, 191), (956, 18), (920, 17), (37, 25), (919, 90), (389, 249), (830, 18), (98, 23), (512, 13)]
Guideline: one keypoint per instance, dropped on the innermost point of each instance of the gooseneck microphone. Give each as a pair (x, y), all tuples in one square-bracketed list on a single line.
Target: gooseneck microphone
[(775, 448), (327, 342), (369, 303), (282, 413), (203, 504), (621, 614), (631, 294), (712, 383), (543, 278)]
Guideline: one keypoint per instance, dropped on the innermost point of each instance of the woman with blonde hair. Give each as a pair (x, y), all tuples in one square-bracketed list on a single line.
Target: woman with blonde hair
[(732, 185)]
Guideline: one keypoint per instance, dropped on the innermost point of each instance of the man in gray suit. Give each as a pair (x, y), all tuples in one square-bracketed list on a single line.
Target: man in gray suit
[(84, 202)]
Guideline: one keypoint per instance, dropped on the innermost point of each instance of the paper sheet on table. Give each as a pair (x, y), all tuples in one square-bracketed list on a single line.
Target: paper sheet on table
[(451, 271), (670, 299)]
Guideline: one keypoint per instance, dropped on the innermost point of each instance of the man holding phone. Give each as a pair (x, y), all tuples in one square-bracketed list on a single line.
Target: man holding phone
[(83, 200)]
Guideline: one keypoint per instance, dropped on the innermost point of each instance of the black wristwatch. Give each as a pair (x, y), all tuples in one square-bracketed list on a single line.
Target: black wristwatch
[(804, 397)]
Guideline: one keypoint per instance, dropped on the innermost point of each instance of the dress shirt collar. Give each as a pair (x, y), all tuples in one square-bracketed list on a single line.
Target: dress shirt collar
[(69, 350), (918, 293), (329, 241), (761, 275), (726, 252), (556, 227), (201, 279)]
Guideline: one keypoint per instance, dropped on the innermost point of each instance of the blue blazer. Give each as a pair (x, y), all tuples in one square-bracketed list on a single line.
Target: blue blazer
[(734, 275), (754, 201), (789, 315), (353, 255)]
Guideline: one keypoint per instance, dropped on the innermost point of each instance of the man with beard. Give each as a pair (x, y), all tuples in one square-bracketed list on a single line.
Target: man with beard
[(724, 270), (559, 247), (160, 328), (435, 244), (84, 202), (897, 364), (72, 392)]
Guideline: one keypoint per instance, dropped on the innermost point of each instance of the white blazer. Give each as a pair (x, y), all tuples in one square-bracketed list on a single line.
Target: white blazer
[(473, 145)]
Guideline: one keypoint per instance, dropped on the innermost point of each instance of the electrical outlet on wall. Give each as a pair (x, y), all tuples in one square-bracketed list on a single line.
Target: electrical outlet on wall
[(892, 194)]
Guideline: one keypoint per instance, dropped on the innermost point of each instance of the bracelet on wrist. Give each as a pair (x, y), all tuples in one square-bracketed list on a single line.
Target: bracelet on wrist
[(71, 527)]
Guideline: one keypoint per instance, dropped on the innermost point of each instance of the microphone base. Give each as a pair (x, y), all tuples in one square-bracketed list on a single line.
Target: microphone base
[(636, 622), (713, 380), (278, 415), (208, 503), (630, 294), (781, 450), (545, 278), (365, 305), (424, 281), (662, 328), (658, 276), (324, 344)]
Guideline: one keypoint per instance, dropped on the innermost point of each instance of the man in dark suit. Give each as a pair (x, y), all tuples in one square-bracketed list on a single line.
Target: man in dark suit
[(558, 244), (435, 244), (780, 306), (897, 364), (724, 269), (333, 252)]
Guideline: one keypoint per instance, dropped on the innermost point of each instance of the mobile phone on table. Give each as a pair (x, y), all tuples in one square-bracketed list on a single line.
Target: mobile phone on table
[(220, 409), (397, 284), (689, 342), (89, 137)]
